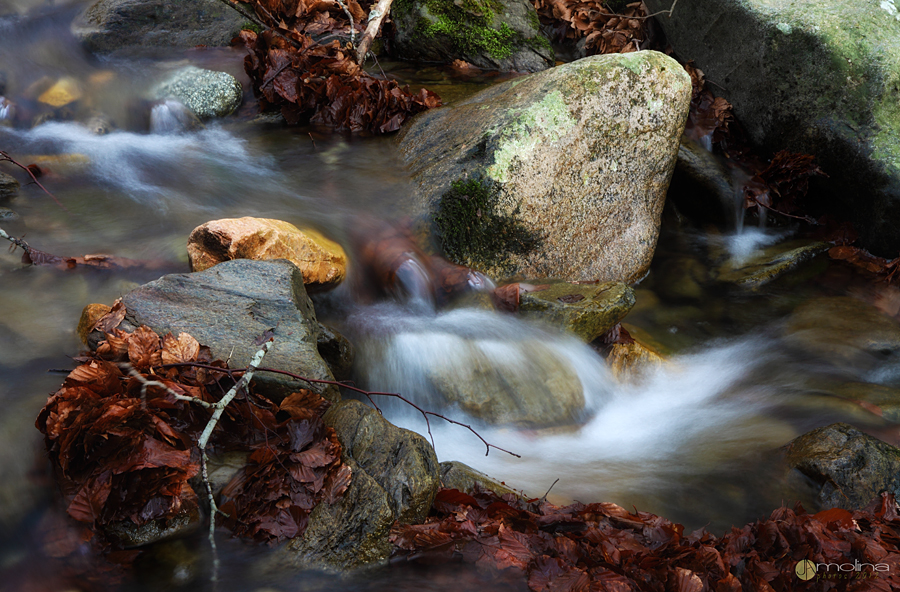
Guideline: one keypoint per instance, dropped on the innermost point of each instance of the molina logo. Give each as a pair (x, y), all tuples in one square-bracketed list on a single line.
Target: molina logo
[(807, 570)]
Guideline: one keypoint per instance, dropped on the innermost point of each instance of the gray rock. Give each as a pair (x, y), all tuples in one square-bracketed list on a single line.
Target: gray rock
[(229, 306), (336, 350), (462, 477), (491, 34), (849, 468), (9, 186), (109, 25), (170, 116), (395, 477), (573, 165), (129, 535), (769, 263), (854, 336), (402, 462), (814, 77), (8, 216), (205, 92), (586, 310), (351, 533), (702, 187)]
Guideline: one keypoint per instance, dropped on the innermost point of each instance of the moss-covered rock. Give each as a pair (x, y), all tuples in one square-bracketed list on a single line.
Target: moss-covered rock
[(574, 163), (586, 310), (491, 34), (815, 77)]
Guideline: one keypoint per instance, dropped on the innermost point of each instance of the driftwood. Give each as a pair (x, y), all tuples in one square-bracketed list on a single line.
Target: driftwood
[(376, 17)]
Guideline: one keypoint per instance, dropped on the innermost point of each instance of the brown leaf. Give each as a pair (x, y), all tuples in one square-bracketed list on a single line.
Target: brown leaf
[(183, 349), (143, 348)]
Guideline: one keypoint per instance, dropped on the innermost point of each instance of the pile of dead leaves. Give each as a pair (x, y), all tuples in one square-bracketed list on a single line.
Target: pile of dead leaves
[(604, 547), (123, 445), (320, 83), (601, 28)]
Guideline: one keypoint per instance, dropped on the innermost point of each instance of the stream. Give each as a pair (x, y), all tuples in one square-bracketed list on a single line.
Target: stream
[(695, 441)]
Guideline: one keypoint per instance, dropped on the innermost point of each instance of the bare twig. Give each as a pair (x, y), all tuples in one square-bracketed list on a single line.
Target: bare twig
[(352, 22), (5, 157), (376, 16), (253, 19), (369, 395), (667, 12), (148, 383)]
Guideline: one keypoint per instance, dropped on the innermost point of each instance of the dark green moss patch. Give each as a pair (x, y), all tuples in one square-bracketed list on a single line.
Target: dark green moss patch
[(468, 24), (248, 26), (472, 231)]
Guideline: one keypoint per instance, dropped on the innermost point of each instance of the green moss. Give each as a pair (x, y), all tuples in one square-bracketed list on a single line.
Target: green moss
[(469, 24), (473, 232), (534, 20), (248, 26)]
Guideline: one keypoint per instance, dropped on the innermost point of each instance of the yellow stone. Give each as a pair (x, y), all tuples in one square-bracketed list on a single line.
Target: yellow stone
[(89, 317), (65, 91), (321, 260), (631, 361)]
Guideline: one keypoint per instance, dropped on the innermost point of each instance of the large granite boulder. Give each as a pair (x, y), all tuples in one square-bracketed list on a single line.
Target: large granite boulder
[(849, 468), (815, 77), (559, 174), (206, 93), (109, 25), (395, 477), (491, 34), (228, 307)]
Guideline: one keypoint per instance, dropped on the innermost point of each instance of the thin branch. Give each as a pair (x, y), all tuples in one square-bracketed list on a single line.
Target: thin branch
[(5, 157), (253, 19), (369, 395), (668, 12), (352, 23), (148, 383), (376, 16)]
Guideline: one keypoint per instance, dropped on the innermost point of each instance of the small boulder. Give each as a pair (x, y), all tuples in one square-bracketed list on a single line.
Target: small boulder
[(89, 317), (205, 92), (629, 362), (9, 186), (228, 307), (765, 265), (322, 261), (110, 25), (559, 174), (462, 477), (586, 310), (849, 468), (395, 477), (490, 34)]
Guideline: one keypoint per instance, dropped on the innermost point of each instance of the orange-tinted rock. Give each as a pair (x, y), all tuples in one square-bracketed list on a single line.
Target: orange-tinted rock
[(320, 260), (89, 317)]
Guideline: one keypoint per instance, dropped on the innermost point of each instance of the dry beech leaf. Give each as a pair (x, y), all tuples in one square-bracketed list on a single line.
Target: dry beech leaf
[(183, 349)]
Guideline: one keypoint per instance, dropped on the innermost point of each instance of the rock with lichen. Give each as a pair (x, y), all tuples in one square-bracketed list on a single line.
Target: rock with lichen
[(559, 174), (206, 93), (491, 34)]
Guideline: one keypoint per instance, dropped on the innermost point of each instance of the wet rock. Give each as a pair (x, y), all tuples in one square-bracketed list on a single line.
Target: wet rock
[(395, 477), (586, 310), (99, 124), (206, 93), (854, 336), (7, 216), (350, 533), (881, 400), (702, 186), (336, 350), (801, 79), (460, 476), (769, 263), (402, 462), (494, 35), (850, 468), (89, 317), (632, 361), (63, 92), (129, 535), (110, 25), (681, 278), (171, 116), (9, 186), (559, 174), (229, 306), (60, 164), (525, 383), (322, 261)]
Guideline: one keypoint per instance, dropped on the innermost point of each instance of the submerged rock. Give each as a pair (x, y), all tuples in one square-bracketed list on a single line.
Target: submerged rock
[(395, 477), (9, 186), (802, 77), (491, 34), (171, 116), (558, 174), (321, 261), (109, 25), (206, 93), (228, 307), (850, 468), (769, 263), (586, 310), (853, 335), (632, 361)]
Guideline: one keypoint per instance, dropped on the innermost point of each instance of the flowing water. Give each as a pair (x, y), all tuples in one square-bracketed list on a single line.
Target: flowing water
[(694, 441)]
